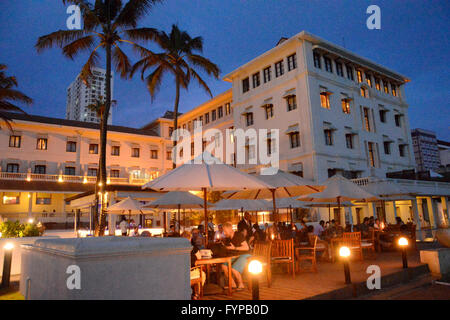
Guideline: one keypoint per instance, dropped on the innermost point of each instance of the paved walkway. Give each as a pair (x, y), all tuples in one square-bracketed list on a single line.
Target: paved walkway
[(330, 277)]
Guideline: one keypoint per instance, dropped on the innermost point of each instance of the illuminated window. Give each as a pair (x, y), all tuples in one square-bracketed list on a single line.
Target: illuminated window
[(328, 133), (368, 80), (93, 148), (227, 108), (346, 105), (386, 88), (377, 84), (325, 100), (394, 90), (41, 144), (14, 141), (366, 119), (359, 74), (371, 154), (11, 199), (364, 92)]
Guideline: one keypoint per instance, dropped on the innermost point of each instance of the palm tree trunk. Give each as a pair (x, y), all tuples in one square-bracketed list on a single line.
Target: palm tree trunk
[(175, 121)]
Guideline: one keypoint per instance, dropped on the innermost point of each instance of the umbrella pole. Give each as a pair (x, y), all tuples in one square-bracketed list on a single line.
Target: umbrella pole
[(179, 218), (184, 219), (205, 206), (339, 209), (274, 204), (290, 209), (329, 213)]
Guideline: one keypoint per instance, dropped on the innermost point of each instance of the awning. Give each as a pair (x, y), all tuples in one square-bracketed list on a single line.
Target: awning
[(328, 126), (381, 107), (349, 130), (267, 101), (247, 110), (289, 93), (292, 129)]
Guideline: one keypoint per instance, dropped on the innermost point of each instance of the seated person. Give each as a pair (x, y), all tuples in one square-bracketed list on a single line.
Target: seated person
[(376, 224), (236, 242), (135, 232), (319, 229), (219, 235), (399, 221), (195, 274), (258, 234), (364, 228), (197, 239), (371, 221)]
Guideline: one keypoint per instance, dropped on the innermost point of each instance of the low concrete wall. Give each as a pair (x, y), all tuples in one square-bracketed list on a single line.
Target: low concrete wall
[(17, 251), (110, 268), (438, 260)]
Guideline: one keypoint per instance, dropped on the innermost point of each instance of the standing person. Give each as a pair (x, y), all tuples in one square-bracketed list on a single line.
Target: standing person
[(123, 225), (318, 230), (246, 223)]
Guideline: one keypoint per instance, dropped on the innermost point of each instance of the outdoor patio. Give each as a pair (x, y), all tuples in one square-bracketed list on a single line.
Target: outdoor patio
[(328, 282)]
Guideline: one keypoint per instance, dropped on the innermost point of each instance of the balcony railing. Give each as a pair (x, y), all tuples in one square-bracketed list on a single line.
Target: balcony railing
[(69, 178)]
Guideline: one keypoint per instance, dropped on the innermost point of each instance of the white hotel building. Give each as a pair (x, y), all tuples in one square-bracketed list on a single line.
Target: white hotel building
[(336, 112)]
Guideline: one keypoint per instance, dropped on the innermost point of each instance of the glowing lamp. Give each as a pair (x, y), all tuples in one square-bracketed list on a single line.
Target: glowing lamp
[(8, 246), (255, 267), (344, 252), (31, 220), (60, 179), (402, 242)]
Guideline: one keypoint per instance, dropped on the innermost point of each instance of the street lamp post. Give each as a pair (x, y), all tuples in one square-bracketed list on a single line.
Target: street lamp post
[(344, 252), (255, 269), (7, 260), (403, 243)]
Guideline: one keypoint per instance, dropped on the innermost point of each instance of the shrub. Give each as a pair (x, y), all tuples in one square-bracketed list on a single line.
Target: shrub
[(15, 229)]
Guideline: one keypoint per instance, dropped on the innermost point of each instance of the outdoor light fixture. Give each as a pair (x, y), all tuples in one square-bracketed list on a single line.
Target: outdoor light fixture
[(344, 253), (403, 243), (60, 179), (7, 259), (272, 236), (255, 269), (100, 184), (31, 220), (85, 180)]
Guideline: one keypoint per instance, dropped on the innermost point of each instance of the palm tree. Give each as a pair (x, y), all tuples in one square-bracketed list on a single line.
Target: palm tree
[(9, 96), (107, 25), (179, 60)]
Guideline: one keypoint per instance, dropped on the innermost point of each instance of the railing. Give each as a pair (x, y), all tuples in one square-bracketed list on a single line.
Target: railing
[(69, 178)]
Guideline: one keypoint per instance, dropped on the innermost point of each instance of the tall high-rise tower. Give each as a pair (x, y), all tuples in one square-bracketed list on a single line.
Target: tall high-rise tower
[(79, 96)]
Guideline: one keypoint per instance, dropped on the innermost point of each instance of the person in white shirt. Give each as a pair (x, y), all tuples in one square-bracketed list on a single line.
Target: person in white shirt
[(123, 225), (219, 235), (319, 229)]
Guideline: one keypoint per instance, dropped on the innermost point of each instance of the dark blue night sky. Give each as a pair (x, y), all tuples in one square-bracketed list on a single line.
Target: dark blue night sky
[(413, 40)]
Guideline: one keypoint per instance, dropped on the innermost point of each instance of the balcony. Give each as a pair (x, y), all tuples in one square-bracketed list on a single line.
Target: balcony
[(74, 179)]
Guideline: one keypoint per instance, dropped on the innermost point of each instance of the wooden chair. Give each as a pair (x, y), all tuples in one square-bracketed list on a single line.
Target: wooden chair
[(369, 243), (197, 279), (283, 253), (307, 253), (262, 252), (352, 240)]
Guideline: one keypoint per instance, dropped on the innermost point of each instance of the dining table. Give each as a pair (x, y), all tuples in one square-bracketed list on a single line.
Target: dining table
[(219, 261)]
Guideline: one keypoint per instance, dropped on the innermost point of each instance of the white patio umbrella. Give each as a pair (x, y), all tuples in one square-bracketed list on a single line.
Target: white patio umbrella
[(328, 205), (242, 204), (289, 203), (177, 200), (205, 173), (128, 205), (283, 185), (339, 189)]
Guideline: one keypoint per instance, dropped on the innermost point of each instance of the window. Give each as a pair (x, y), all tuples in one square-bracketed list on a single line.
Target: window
[(115, 151), (41, 144), (387, 147), (291, 103), (267, 74), (69, 171), (349, 140), (368, 80), (213, 115), (135, 152), (350, 73), (364, 92), (12, 167), (227, 108), (402, 150), (256, 80), (115, 173), (245, 85), (170, 131), (270, 146), (206, 118), (328, 66), (292, 62), (339, 69), (294, 139), (154, 154), (386, 88), (371, 154), (11, 199), (279, 68), (317, 60), (346, 105), (92, 172), (220, 112), (93, 148), (377, 84), (39, 169), (398, 122), (249, 118), (394, 90), (250, 149), (14, 141), (325, 100), (383, 116), (366, 119), (71, 146), (169, 155), (268, 108), (359, 75), (328, 137)]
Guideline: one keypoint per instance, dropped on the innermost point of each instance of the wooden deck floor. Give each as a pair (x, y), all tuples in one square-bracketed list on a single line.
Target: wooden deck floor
[(330, 276)]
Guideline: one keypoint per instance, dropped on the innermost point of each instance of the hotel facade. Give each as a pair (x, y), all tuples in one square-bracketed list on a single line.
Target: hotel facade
[(336, 112)]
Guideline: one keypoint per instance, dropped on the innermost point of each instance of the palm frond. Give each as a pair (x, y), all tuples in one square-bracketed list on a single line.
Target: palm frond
[(86, 71), (154, 80), (121, 61), (133, 11), (205, 64), (59, 38), (7, 82), (200, 81), (15, 95), (143, 34), (78, 46), (9, 107)]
